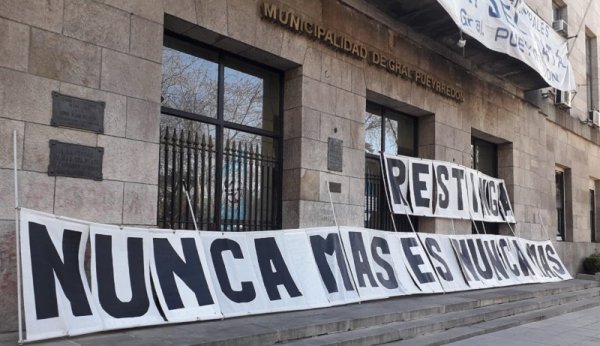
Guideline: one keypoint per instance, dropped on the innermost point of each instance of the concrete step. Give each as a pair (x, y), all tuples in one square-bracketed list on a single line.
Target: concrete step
[(418, 314), (304, 324), (285, 327), (403, 330), (465, 332)]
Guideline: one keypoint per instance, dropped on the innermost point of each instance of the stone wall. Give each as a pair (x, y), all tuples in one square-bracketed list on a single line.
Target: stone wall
[(110, 51), (91, 50)]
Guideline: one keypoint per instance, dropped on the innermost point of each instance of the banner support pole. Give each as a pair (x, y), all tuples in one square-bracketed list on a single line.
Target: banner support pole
[(187, 195), (17, 239), (483, 226), (331, 202), (471, 214), (406, 213)]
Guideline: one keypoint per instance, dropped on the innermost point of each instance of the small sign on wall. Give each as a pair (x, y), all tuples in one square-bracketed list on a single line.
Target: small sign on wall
[(75, 161), (335, 151), (335, 187), (74, 112)]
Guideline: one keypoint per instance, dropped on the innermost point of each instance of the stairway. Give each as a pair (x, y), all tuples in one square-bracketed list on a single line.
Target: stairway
[(411, 320), (490, 311)]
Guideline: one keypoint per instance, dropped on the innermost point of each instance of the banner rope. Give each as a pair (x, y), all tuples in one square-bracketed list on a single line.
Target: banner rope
[(332, 207), (543, 227), (483, 201), (506, 219), (570, 48)]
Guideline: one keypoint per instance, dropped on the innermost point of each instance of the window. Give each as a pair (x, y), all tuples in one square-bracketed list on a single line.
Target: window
[(559, 10), (485, 159), (591, 71), (220, 140), (559, 17), (394, 133), (560, 203), (485, 156)]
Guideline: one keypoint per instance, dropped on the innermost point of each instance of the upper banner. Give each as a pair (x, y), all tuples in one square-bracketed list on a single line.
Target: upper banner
[(513, 28), (143, 277), (443, 189)]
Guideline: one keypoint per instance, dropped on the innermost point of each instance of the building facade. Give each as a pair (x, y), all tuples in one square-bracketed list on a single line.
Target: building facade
[(264, 112)]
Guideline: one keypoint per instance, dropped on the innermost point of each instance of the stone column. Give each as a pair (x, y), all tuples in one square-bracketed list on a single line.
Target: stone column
[(321, 105)]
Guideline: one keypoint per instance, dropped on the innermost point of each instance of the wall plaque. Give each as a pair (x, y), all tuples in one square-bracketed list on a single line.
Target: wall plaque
[(335, 152), (75, 161), (335, 187), (70, 111)]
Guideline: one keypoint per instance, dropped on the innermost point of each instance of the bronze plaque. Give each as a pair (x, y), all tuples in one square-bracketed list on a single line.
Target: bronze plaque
[(75, 161), (335, 187), (70, 111), (335, 152)]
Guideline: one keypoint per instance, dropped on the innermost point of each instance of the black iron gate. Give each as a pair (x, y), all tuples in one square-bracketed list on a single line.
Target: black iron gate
[(249, 198), (377, 211)]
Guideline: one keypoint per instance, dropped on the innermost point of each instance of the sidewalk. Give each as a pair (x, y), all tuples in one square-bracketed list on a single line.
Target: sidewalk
[(576, 328)]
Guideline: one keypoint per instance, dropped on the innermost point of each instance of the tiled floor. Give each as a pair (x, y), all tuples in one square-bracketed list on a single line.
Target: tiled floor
[(577, 328)]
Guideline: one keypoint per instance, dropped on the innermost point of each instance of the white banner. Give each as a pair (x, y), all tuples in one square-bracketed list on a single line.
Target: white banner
[(421, 186), (295, 248), (121, 277), (234, 274), (58, 300), (516, 261), (396, 170), (513, 28), (490, 198), (417, 263), (465, 251), (460, 192), (403, 275), (544, 260), (452, 193), (474, 194), (448, 270), (375, 273), (275, 270), (183, 283), (332, 264), (209, 275)]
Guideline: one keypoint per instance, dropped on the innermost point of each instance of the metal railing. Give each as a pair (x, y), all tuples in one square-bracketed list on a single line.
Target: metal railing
[(377, 212), (189, 161)]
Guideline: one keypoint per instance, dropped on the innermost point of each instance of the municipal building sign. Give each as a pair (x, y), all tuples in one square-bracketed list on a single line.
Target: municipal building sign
[(340, 42)]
